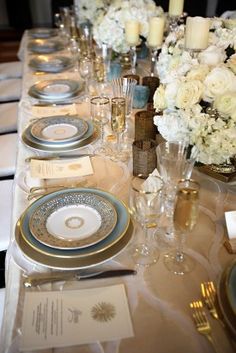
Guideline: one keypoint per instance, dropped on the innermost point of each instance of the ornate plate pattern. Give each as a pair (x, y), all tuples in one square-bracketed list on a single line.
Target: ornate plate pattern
[(79, 219), (59, 128), (122, 224)]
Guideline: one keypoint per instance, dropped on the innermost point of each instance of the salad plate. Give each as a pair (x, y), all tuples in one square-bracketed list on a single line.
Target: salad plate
[(42, 32), (45, 46), (47, 63)]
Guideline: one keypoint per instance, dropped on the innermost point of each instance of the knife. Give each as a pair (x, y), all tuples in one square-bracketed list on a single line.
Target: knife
[(43, 278), (56, 157)]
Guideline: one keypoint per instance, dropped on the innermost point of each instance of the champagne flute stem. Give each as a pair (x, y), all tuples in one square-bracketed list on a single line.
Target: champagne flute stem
[(102, 133), (153, 61), (86, 86), (118, 142), (180, 246), (133, 55)]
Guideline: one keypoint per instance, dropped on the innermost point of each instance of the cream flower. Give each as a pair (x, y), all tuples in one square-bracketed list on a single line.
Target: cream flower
[(232, 63), (189, 93), (218, 81), (159, 99), (226, 104), (198, 72), (212, 56)]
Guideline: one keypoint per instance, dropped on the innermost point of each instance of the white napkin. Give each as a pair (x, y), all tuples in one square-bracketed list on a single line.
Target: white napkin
[(8, 148), (8, 117), (10, 70), (10, 90), (2, 300), (5, 212)]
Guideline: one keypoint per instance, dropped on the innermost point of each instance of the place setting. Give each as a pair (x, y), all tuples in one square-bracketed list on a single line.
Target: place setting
[(45, 46), (42, 33), (51, 64)]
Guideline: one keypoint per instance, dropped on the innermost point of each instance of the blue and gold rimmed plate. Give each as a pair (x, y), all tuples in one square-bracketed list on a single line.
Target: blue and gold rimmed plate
[(48, 63), (42, 32), (59, 128), (59, 146), (75, 258), (45, 46), (73, 220), (226, 297), (55, 90)]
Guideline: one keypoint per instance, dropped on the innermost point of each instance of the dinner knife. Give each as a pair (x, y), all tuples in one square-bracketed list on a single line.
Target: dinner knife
[(43, 278), (56, 157)]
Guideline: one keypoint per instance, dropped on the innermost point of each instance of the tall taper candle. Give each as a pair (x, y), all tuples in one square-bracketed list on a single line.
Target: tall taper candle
[(197, 33), (132, 32), (176, 7), (156, 30)]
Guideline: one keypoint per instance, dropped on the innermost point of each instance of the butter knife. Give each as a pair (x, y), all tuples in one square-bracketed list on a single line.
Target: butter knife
[(43, 278)]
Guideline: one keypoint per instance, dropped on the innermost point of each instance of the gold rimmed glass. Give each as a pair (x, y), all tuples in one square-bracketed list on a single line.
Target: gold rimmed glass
[(118, 124), (185, 218)]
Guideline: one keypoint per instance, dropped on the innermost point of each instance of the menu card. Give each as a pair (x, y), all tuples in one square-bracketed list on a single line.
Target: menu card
[(67, 318), (62, 168)]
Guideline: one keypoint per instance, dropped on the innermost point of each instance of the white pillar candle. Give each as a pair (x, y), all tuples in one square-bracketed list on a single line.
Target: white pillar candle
[(197, 33), (132, 32), (176, 7), (156, 31)]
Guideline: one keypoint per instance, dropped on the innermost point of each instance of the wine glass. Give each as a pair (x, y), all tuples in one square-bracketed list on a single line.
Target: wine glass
[(118, 124), (185, 219), (85, 69), (146, 206), (100, 112)]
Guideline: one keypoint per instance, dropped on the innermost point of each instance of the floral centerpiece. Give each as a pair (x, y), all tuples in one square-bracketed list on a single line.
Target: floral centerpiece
[(111, 29), (197, 97), (90, 11)]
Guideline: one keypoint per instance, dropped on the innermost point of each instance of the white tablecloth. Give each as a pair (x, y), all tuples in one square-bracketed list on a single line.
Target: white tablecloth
[(158, 300)]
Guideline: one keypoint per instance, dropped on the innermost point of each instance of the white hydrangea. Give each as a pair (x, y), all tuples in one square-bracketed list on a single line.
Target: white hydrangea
[(91, 10)]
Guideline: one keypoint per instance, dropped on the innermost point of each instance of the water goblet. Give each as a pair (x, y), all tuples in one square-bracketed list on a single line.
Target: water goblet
[(185, 219), (85, 69), (100, 112), (145, 205)]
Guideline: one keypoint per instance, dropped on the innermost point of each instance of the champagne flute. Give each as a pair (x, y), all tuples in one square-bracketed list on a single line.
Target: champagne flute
[(185, 219), (85, 69), (100, 112), (118, 125), (145, 205)]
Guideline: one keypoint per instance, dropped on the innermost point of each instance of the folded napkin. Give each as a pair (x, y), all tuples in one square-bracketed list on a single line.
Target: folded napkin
[(2, 299), (8, 147), (10, 90), (5, 212), (10, 70), (8, 117)]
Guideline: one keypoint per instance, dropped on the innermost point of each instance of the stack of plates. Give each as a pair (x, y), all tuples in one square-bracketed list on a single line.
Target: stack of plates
[(74, 228), (43, 46), (59, 134), (56, 91), (227, 296), (48, 63), (42, 32)]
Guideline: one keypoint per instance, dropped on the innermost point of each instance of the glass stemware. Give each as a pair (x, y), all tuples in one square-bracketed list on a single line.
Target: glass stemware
[(185, 219), (146, 206), (100, 112), (85, 69), (118, 124)]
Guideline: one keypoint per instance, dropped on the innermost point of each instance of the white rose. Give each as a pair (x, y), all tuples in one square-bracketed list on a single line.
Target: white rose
[(189, 94), (232, 63), (226, 104), (159, 99), (171, 92), (218, 81), (198, 72), (212, 56)]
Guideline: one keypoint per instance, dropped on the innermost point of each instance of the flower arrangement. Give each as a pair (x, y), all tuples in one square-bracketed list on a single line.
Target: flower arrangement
[(90, 11), (197, 96), (111, 29)]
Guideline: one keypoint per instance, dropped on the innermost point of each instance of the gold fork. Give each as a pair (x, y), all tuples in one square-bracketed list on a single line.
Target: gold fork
[(201, 321), (209, 295)]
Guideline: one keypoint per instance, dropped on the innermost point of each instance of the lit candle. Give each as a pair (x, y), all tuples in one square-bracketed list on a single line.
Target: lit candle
[(132, 32), (156, 31), (176, 7), (197, 33)]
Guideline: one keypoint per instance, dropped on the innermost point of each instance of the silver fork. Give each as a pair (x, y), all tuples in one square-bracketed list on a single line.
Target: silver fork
[(201, 322)]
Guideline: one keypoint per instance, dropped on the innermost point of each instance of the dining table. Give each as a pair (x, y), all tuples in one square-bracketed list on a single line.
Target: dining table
[(158, 300)]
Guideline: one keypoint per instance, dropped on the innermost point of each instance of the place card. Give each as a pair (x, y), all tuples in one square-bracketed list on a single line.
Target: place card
[(230, 219), (50, 169), (44, 111), (68, 318)]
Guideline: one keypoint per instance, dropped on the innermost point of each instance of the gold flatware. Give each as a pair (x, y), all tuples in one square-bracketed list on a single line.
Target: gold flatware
[(43, 278), (56, 157), (37, 191), (209, 295), (201, 322)]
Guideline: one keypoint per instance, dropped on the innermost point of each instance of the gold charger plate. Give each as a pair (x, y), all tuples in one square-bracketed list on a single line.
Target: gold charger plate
[(72, 263)]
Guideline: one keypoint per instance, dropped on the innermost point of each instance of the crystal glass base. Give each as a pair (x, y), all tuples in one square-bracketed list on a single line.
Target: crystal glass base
[(145, 255), (178, 265)]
